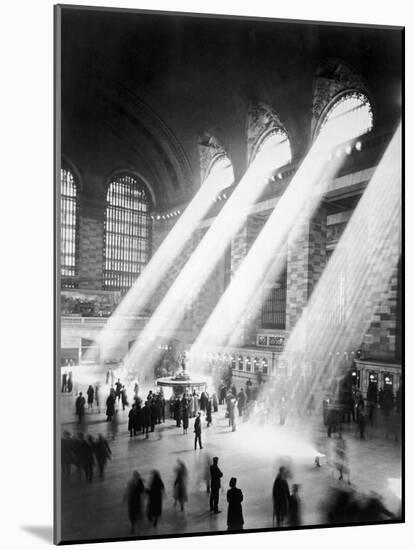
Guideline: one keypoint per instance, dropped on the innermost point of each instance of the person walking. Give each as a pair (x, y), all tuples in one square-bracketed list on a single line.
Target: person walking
[(294, 508), (155, 498), (234, 496), (280, 497), (180, 485), (215, 476), (102, 453), (134, 497), (198, 431)]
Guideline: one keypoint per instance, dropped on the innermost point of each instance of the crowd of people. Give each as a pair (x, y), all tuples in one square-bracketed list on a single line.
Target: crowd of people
[(84, 452)]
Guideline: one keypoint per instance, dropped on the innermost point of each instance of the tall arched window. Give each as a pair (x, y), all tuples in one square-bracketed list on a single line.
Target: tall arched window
[(351, 112), (69, 229), (127, 232)]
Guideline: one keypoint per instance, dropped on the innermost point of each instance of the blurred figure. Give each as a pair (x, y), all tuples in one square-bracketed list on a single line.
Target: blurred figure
[(234, 497), (80, 407), (232, 414), (136, 388), (180, 485), (283, 411), (102, 454), (215, 402), (215, 476), (361, 422), (280, 497), (90, 398), (134, 497), (64, 382), (374, 509), (155, 498), (118, 387), (241, 401), (124, 400), (87, 457), (70, 382), (110, 412), (185, 413), (66, 454), (294, 508), (97, 396), (341, 458), (209, 412), (132, 421), (198, 431)]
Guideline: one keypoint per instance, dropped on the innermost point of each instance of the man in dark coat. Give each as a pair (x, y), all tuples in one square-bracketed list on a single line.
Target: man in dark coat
[(280, 496), (80, 407), (234, 497), (178, 412), (110, 405), (198, 431), (145, 417), (215, 475)]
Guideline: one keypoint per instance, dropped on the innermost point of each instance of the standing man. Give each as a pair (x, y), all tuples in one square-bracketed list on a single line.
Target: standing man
[(215, 475), (80, 407), (198, 431)]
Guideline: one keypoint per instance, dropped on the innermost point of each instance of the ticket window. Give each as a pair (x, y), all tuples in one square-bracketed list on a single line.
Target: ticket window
[(388, 382), (355, 374), (372, 389)]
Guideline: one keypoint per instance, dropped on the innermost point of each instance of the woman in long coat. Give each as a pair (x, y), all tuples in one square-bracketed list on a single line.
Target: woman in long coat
[(234, 497), (155, 498), (280, 496), (180, 485)]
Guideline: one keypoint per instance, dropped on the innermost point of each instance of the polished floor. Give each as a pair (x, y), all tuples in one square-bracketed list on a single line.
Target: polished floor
[(252, 454)]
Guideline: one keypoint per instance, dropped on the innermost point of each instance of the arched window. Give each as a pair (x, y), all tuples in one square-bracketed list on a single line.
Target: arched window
[(351, 112), (127, 232), (69, 229)]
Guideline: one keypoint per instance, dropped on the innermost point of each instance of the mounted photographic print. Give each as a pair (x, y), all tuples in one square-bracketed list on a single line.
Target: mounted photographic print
[(228, 199)]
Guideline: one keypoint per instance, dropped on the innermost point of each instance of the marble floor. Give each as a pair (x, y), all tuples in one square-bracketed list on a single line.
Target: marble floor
[(252, 454)]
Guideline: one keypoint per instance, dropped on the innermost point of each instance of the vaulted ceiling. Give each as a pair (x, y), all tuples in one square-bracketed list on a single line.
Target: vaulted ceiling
[(138, 89)]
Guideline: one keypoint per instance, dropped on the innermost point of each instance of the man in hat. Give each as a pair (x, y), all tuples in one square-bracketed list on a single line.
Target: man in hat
[(198, 431), (215, 475)]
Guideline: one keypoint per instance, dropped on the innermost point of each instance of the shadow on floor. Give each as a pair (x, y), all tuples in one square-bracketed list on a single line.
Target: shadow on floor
[(44, 532)]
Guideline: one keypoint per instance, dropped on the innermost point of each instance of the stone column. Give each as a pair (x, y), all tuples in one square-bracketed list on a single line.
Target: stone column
[(91, 242), (306, 260)]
